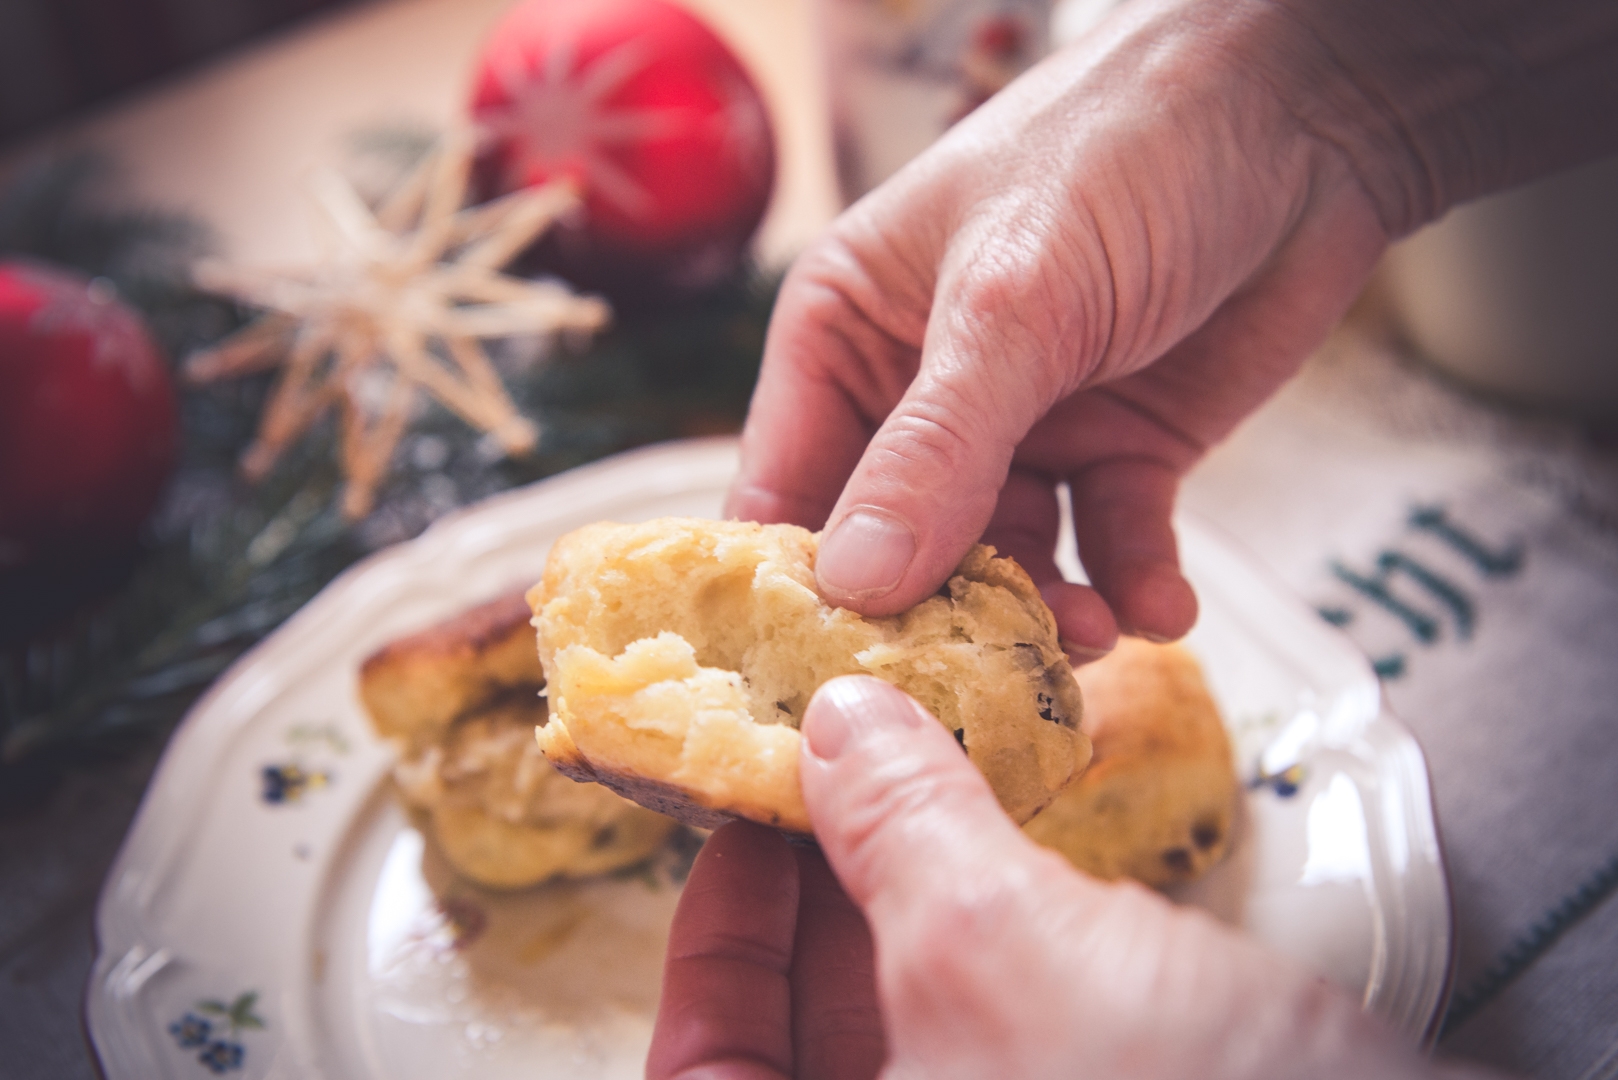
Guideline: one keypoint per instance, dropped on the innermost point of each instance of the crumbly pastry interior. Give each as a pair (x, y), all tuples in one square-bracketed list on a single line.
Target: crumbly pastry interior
[(461, 702), (683, 652), (1158, 800)]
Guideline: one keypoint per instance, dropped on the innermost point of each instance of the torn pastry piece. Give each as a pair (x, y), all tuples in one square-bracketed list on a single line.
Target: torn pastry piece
[(1158, 799), (461, 701), (683, 652), (416, 687)]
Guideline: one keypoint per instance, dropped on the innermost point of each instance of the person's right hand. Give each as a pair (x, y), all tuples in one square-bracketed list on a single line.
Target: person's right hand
[(1101, 271), (992, 957)]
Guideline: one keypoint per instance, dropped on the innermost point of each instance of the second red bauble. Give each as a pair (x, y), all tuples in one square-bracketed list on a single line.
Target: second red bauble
[(644, 107), (88, 418)]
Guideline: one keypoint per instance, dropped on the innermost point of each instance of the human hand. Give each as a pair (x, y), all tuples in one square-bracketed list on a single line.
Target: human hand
[(1101, 271), (992, 957)]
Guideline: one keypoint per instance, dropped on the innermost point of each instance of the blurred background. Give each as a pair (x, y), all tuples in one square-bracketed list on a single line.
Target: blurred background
[(1479, 375), (57, 56)]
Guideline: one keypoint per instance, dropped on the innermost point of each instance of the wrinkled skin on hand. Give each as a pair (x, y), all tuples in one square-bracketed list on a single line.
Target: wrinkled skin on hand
[(1088, 281), (1101, 271), (992, 957)]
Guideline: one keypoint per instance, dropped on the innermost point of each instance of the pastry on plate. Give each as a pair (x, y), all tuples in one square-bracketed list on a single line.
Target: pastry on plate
[(460, 701), (682, 653), (1158, 799)]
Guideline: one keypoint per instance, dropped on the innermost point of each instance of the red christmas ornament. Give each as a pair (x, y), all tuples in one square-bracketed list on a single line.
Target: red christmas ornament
[(87, 417), (651, 115)]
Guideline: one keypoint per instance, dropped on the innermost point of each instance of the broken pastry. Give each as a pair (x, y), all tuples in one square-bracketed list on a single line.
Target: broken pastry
[(682, 653), (460, 701), (1158, 799)]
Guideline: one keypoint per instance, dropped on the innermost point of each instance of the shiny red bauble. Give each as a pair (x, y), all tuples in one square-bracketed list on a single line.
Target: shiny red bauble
[(651, 114), (88, 418)]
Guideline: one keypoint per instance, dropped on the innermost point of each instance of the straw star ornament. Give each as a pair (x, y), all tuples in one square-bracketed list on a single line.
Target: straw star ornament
[(402, 306)]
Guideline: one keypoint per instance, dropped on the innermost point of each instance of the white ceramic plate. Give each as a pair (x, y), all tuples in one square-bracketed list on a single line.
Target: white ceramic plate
[(273, 913)]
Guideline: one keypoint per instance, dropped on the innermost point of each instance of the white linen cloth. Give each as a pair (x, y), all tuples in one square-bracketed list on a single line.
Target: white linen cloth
[(1473, 554)]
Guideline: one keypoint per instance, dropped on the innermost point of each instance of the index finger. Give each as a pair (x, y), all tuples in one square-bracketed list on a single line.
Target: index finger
[(726, 1010), (830, 376)]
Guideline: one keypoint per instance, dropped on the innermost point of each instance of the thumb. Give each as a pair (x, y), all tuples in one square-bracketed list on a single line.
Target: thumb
[(994, 958), (902, 816)]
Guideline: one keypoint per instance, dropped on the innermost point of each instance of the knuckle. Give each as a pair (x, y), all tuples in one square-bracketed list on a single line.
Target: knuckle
[(938, 431), (838, 282), (1021, 306), (748, 951), (833, 321)]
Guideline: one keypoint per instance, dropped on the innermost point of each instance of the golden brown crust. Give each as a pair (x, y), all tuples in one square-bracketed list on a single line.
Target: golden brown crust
[(684, 652), (416, 686), (686, 805), (676, 802), (461, 701), (1158, 801)]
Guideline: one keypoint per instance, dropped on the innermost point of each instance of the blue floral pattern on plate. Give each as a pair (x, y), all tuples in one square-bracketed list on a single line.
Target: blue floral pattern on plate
[(220, 1048)]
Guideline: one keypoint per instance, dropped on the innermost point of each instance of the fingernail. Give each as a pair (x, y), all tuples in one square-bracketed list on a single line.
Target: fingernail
[(852, 708), (865, 555), (1082, 654)]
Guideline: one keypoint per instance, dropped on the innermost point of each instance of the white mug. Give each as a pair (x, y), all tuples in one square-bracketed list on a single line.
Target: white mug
[(1517, 294)]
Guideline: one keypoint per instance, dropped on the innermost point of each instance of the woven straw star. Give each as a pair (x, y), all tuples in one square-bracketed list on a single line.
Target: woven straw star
[(402, 305)]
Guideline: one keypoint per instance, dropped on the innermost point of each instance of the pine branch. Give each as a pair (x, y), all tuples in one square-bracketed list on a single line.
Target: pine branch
[(224, 564)]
